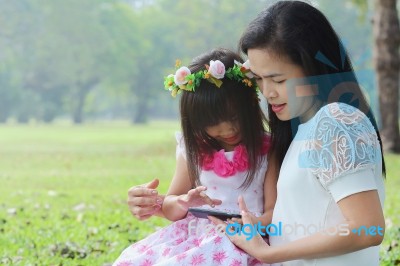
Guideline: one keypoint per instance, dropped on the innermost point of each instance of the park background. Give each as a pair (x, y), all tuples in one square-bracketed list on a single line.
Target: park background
[(83, 115)]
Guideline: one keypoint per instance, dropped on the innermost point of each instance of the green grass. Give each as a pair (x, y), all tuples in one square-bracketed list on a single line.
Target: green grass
[(63, 191), (390, 250)]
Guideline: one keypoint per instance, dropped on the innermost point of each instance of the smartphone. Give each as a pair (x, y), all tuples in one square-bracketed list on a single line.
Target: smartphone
[(203, 213)]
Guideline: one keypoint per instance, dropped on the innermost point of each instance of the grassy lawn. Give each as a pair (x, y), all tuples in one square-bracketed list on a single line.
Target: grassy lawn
[(63, 191)]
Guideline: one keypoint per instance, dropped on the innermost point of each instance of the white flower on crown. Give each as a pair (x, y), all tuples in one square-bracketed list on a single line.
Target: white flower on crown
[(217, 69), (246, 65), (180, 75)]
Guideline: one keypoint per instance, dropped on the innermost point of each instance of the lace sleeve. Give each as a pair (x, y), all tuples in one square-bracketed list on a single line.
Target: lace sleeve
[(341, 141), (180, 146)]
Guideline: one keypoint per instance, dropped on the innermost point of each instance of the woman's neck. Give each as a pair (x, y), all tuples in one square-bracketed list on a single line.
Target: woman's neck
[(312, 111)]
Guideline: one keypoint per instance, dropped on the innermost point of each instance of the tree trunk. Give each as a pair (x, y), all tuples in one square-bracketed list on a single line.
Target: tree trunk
[(140, 116), (140, 109), (83, 90), (78, 110), (387, 65)]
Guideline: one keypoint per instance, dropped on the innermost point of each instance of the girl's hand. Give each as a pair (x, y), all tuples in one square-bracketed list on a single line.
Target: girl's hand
[(251, 242), (196, 197)]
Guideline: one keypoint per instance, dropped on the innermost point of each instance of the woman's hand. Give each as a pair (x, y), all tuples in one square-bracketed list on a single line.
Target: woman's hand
[(251, 241), (235, 220), (196, 197), (144, 201)]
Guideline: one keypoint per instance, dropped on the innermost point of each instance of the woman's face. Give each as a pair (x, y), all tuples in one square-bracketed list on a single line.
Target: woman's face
[(226, 133), (276, 77)]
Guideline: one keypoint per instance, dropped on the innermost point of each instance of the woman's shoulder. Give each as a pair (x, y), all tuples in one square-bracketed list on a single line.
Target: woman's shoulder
[(341, 112), (342, 117), (341, 140)]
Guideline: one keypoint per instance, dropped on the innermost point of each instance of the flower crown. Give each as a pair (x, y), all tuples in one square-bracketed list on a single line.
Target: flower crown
[(185, 80)]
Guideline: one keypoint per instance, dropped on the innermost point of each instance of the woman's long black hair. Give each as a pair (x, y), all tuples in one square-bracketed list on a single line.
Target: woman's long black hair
[(210, 105), (302, 34)]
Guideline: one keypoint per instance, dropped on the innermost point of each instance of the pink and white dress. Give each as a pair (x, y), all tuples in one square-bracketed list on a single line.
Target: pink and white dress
[(195, 241)]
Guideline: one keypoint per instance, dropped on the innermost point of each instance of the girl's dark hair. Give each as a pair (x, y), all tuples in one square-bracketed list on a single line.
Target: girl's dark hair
[(301, 33), (210, 105)]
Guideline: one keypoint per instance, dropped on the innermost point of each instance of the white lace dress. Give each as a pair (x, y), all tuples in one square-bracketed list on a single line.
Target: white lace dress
[(193, 241), (333, 155)]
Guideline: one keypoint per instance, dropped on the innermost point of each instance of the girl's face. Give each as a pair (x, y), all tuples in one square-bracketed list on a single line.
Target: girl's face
[(272, 74), (226, 133)]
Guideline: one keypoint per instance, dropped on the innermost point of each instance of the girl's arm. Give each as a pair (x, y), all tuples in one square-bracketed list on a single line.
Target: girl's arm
[(271, 179), (360, 209), (181, 196), (180, 185)]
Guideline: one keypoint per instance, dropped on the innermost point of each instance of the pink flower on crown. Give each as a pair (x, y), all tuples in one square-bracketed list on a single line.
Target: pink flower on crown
[(180, 75), (240, 158), (217, 69), (222, 166)]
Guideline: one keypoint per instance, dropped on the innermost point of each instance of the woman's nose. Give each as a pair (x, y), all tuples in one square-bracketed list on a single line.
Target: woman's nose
[(269, 92)]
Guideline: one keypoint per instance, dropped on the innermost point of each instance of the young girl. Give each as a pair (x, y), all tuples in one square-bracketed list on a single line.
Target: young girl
[(330, 189), (220, 155)]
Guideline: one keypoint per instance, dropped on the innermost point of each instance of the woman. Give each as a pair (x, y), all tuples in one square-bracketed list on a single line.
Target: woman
[(330, 187)]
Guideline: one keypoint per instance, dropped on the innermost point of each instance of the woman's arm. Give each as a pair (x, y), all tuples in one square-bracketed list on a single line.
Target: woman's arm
[(360, 209)]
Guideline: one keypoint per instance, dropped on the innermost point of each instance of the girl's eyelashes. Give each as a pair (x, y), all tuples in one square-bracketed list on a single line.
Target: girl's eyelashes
[(279, 81)]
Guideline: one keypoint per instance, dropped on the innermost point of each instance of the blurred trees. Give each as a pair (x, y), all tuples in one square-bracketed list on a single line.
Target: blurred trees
[(387, 65), (58, 51), (386, 61), (107, 58), (104, 58)]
